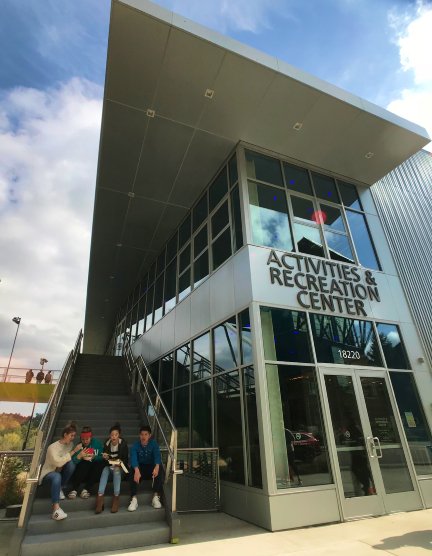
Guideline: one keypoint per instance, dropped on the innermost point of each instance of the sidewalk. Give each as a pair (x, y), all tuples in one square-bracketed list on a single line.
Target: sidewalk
[(402, 534)]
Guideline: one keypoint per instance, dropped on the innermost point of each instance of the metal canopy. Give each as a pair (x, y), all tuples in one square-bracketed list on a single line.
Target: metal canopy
[(162, 140)]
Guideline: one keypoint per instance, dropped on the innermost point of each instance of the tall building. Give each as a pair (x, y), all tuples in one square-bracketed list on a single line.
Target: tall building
[(237, 245)]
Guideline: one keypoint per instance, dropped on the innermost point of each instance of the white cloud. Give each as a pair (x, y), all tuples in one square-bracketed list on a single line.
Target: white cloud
[(414, 39), (48, 153), (225, 15)]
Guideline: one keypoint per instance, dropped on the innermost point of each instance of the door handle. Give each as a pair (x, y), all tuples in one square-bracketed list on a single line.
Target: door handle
[(376, 439), (371, 448)]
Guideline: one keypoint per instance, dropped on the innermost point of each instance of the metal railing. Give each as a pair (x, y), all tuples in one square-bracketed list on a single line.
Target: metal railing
[(158, 418), (45, 432), (18, 374)]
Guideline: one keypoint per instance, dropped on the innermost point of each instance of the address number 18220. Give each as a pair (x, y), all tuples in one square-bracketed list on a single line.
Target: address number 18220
[(347, 354)]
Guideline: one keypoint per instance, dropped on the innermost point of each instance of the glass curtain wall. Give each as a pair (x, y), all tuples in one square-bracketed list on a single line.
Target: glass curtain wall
[(209, 235), (294, 343), (210, 385), (296, 210)]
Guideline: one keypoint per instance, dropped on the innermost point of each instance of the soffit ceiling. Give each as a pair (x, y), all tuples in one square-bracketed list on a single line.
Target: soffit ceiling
[(152, 169)]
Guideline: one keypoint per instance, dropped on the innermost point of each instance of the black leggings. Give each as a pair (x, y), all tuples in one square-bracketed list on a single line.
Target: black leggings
[(87, 472), (146, 471)]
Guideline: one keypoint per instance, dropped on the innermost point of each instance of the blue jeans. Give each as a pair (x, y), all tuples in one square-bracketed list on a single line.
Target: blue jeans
[(59, 479), (116, 473)]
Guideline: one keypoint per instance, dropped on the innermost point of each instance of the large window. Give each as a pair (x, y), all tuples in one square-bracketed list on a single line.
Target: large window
[(326, 214)]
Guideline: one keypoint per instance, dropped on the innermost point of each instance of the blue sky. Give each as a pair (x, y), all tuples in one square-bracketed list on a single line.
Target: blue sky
[(51, 86)]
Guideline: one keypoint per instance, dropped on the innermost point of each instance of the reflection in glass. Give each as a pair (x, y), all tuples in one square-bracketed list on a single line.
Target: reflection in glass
[(269, 217), (350, 443), (232, 170), (263, 168), (285, 335), (149, 309), (236, 223), (201, 362), (297, 179), (181, 415), (171, 248), (158, 299), (392, 345), (220, 219), (141, 315), (245, 337), (345, 341), (184, 285), (349, 195), (221, 249), (225, 346), (185, 231), (218, 189), (229, 435), (200, 212), (201, 414), (251, 428), (166, 379), (170, 286), (200, 241), (332, 218), (160, 262), (414, 421), (182, 365), (362, 240), (201, 269), (339, 247), (325, 187), (185, 256), (299, 443), (303, 209), (308, 240), (393, 464)]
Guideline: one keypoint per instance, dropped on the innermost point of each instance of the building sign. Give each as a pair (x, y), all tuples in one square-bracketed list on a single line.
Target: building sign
[(324, 285)]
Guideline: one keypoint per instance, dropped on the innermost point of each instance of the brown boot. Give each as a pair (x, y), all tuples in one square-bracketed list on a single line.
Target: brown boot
[(115, 504), (99, 504)]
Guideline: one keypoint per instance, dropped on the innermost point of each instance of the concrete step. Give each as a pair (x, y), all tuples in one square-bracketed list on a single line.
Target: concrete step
[(43, 493), (107, 398), (100, 417), (89, 541), (86, 519), (102, 431), (42, 502)]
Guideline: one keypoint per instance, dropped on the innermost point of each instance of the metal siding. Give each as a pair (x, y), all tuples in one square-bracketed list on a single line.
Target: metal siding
[(404, 204)]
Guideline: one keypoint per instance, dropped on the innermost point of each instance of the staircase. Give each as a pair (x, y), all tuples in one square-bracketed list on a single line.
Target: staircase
[(98, 396)]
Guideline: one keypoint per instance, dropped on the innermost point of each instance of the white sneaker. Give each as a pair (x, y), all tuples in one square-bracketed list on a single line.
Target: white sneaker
[(59, 514), (72, 495), (62, 496), (156, 503), (85, 493), (133, 504)]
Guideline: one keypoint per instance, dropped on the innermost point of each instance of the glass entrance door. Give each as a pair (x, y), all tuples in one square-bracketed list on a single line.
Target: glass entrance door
[(374, 472)]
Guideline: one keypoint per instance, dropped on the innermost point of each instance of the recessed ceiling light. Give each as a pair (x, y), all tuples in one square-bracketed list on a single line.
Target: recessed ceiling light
[(209, 93), (150, 113), (102, 317), (369, 155), (297, 126), (118, 244), (131, 194), (106, 300), (112, 277)]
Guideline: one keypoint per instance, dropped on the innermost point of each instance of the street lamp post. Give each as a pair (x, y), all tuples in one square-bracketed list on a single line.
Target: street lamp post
[(17, 321)]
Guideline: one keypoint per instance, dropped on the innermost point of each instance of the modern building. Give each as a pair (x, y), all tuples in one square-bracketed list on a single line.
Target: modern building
[(237, 244)]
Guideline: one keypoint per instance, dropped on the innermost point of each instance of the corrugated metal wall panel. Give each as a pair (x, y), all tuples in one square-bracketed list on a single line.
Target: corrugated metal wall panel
[(404, 204)]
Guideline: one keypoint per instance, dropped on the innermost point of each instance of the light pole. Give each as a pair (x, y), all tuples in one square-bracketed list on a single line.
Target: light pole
[(17, 321)]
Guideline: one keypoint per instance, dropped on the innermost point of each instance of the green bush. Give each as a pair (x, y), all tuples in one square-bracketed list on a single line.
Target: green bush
[(11, 485)]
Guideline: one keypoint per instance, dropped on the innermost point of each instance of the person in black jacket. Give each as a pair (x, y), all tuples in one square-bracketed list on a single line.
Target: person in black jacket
[(116, 456)]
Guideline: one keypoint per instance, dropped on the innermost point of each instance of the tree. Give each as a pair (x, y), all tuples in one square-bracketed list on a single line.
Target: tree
[(11, 485)]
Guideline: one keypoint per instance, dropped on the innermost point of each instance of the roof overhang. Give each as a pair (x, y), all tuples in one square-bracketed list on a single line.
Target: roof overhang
[(162, 140)]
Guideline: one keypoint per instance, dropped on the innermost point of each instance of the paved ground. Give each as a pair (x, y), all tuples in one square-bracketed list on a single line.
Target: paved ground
[(403, 534)]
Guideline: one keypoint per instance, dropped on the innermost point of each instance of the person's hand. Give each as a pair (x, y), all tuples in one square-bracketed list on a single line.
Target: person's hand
[(105, 455), (78, 447), (155, 471), (137, 475)]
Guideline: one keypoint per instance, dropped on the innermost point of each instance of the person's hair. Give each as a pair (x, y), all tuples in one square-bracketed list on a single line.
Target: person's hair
[(86, 429), (145, 428), (70, 427), (115, 427)]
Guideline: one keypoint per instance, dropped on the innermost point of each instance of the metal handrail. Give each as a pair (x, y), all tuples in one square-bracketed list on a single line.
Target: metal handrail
[(135, 367), (45, 431)]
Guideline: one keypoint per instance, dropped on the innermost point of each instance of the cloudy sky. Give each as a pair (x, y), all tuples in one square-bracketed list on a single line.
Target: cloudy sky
[(51, 85)]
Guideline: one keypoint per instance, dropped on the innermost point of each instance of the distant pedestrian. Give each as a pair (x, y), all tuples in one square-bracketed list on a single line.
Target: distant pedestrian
[(29, 376), (48, 377), (39, 377)]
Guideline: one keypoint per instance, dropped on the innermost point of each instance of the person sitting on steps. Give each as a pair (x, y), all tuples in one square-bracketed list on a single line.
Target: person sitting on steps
[(116, 457), (59, 467), (88, 464), (146, 463)]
